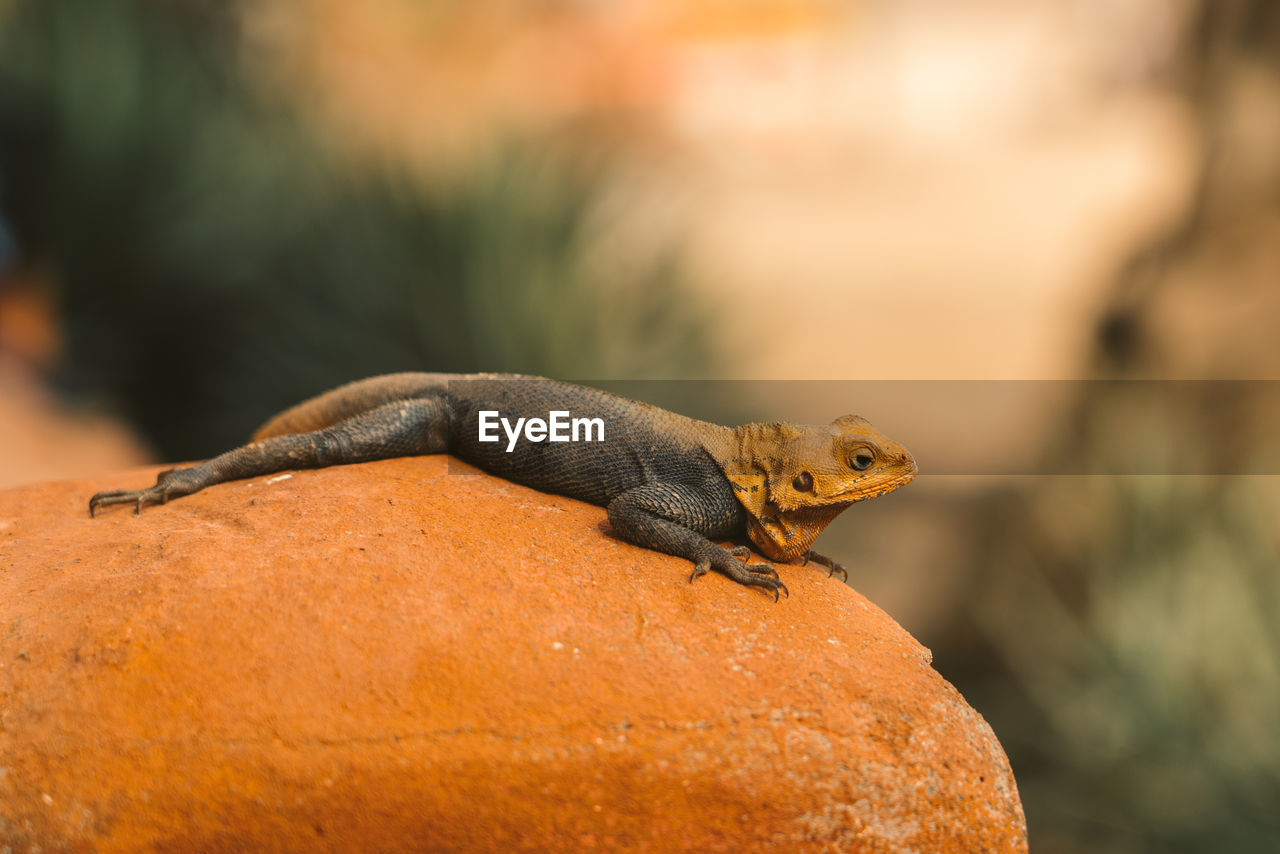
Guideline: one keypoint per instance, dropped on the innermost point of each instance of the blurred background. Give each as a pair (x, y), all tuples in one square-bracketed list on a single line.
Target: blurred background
[(974, 223)]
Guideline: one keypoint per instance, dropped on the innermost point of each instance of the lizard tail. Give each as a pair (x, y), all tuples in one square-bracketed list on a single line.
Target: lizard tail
[(350, 400)]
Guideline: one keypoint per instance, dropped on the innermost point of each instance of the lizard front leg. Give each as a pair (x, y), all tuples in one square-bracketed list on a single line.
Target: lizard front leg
[(672, 518), (400, 429)]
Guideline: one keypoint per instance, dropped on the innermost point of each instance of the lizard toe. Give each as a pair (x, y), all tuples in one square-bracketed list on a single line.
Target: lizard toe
[(831, 565), (112, 497), (770, 585), (749, 575), (743, 553), (700, 569)]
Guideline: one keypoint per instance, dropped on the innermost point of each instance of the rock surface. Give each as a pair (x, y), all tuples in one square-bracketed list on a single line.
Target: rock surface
[(406, 655)]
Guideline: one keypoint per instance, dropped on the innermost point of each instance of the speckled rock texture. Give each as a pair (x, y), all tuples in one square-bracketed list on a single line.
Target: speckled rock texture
[(411, 656)]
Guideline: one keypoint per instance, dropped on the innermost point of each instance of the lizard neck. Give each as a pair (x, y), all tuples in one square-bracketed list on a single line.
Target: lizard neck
[(752, 457)]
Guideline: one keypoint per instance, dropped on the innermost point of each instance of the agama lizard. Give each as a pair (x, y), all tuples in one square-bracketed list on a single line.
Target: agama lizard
[(669, 482)]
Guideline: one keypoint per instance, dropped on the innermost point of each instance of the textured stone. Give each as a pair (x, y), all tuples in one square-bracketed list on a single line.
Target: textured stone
[(407, 655)]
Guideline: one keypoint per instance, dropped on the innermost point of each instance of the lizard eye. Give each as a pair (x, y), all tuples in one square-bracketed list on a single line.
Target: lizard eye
[(803, 482), (861, 460)]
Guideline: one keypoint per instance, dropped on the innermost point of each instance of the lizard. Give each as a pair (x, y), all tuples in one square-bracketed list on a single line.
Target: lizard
[(668, 482)]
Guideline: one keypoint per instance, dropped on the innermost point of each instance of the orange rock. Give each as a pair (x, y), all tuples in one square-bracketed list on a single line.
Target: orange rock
[(408, 656)]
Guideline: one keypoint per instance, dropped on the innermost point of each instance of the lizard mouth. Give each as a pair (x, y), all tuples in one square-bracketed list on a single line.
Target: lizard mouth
[(785, 534), (892, 476)]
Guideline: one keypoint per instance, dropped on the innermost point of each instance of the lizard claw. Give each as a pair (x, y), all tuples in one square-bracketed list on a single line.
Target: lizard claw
[(728, 562), (770, 583), (831, 565), (776, 586), (110, 497), (169, 483)]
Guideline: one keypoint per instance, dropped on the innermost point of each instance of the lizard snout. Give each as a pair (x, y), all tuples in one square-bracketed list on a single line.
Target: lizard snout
[(907, 462)]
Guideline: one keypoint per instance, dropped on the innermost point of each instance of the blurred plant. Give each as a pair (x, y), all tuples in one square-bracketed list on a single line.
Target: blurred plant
[(215, 262), (1133, 624), (1126, 640)]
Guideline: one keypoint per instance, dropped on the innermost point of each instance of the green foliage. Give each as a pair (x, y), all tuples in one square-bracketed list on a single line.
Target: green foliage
[(217, 263), (1130, 626), (1136, 617)]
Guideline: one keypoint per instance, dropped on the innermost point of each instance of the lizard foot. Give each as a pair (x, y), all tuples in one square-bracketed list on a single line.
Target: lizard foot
[(169, 484), (728, 563), (831, 565), (743, 554)]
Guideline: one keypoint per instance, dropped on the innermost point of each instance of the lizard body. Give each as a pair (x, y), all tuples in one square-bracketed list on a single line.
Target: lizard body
[(668, 482)]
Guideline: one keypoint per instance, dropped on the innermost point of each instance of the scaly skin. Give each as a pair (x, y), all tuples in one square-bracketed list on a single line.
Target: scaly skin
[(668, 482)]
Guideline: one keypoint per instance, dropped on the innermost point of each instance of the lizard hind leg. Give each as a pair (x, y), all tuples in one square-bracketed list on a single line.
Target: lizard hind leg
[(399, 429)]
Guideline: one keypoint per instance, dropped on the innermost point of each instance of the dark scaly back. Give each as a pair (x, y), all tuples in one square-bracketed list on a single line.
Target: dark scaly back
[(642, 443)]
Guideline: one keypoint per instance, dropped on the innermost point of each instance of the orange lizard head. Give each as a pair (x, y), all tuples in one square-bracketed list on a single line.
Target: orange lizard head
[(794, 480)]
